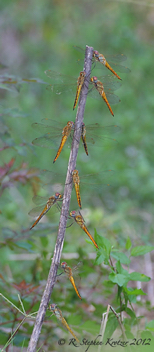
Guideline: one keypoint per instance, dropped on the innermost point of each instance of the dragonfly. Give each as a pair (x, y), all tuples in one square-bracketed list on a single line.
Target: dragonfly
[(76, 181), (57, 312), (67, 83), (95, 182), (111, 62), (80, 221), (100, 88), (90, 134), (80, 82), (65, 134), (69, 273), (45, 206)]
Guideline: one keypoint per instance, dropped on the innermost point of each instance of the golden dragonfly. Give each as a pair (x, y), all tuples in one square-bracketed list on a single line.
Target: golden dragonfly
[(46, 204), (55, 134), (57, 312), (68, 84), (111, 62), (69, 272), (80, 221)]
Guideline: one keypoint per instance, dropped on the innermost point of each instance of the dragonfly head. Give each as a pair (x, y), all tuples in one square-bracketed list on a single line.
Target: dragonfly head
[(93, 79), (70, 124), (52, 306), (82, 74), (75, 172), (95, 53), (58, 195), (73, 213), (63, 265)]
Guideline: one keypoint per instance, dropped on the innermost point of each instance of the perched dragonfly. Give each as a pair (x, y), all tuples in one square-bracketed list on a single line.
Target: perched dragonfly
[(110, 61), (83, 137), (76, 181), (80, 82), (95, 182), (100, 88), (80, 221), (57, 312), (67, 83), (44, 208), (90, 134), (69, 273), (65, 134)]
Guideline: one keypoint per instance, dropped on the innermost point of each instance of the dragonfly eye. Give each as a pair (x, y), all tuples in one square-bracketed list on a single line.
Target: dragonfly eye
[(58, 195), (96, 52), (72, 213), (63, 264)]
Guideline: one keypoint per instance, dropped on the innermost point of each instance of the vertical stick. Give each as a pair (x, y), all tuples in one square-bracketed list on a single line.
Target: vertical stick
[(65, 207)]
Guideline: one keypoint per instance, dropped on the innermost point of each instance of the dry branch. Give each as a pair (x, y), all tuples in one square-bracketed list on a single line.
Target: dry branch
[(65, 207)]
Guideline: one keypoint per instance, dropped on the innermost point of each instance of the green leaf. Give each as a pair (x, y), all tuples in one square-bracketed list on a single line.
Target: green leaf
[(150, 325), (138, 277), (128, 243), (91, 327), (24, 245), (141, 250), (118, 279), (135, 292), (121, 256), (104, 243), (101, 256), (74, 320), (121, 270)]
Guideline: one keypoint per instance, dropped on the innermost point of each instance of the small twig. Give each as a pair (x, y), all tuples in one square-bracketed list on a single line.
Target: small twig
[(120, 323), (14, 333), (23, 313), (103, 326), (21, 303), (65, 207), (104, 322)]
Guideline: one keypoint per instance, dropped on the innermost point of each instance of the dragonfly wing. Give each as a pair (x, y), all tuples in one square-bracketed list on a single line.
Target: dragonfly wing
[(79, 49), (52, 177), (96, 180), (111, 84), (112, 98), (40, 200), (96, 132), (116, 58), (62, 88), (120, 68), (59, 77), (36, 211), (47, 141), (61, 83), (47, 125)]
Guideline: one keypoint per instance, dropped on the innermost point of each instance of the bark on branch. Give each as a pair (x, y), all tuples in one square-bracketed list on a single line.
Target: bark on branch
[(65, 207)]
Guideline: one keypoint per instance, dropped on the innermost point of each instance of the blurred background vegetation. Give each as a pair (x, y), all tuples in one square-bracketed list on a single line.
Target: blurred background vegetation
[(39, 35)]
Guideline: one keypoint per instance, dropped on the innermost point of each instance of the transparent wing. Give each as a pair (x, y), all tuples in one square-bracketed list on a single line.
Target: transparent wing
[(38, 210), (61, 83), (40, 200), (92, 181), (114, 60), (112, 98), (96, 133), (110, 85), (53, 133)]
